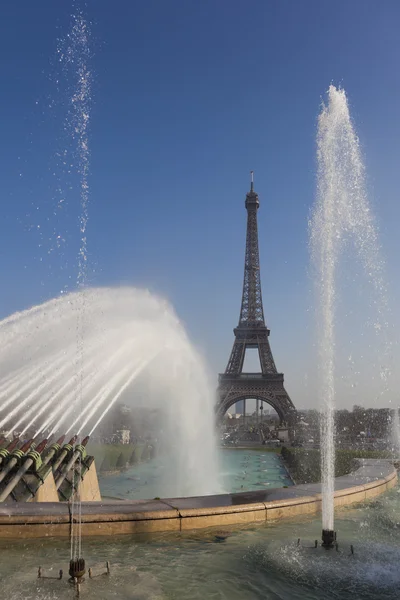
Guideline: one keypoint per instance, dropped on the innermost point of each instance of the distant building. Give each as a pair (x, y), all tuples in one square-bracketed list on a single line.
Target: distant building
[(124, 436), (283, 434)]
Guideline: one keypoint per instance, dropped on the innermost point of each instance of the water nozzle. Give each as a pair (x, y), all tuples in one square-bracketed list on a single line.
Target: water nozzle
[(26, 446), (72, 440), (77, 569), (328, 538), (60, 440), (41, 446), (12, 445), (85, 440)]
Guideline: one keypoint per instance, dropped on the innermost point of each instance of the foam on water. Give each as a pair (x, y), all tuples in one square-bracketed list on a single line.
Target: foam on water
[(370, 571)]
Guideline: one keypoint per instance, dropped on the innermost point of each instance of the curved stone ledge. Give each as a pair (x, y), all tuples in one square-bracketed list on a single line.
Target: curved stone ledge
[(35, 520)]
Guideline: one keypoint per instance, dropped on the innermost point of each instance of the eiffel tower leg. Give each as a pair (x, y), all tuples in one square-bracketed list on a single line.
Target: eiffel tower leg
[(236, 358), (268, 389)]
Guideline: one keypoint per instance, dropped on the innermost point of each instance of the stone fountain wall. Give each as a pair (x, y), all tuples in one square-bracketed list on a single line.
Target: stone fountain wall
[(21, 521)]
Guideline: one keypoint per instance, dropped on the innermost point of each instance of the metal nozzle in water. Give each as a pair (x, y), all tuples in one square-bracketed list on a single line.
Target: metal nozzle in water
[(328, 538), (77, 569)]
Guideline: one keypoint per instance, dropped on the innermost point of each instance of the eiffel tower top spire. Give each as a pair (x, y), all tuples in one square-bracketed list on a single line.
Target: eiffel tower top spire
[(252, 312)]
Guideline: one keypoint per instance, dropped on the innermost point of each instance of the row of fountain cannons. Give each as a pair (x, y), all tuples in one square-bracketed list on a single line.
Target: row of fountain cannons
[(47, 472)]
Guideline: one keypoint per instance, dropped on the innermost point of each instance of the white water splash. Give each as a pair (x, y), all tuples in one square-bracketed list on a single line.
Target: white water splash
[(138, 351), (341, 212), (396, 432)]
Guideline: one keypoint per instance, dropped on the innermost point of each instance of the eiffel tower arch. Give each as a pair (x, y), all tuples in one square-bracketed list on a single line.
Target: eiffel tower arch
[(252, 332)]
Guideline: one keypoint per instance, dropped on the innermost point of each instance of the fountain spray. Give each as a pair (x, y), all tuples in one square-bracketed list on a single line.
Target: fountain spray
[(341, 211)]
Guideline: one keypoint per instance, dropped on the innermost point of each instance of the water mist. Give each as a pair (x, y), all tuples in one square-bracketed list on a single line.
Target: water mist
[(136, 350), (341, 213), (396, 432)]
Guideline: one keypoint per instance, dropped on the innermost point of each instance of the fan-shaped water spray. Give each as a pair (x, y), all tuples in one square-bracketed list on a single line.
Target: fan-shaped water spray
[(341, 212), (137, 350)]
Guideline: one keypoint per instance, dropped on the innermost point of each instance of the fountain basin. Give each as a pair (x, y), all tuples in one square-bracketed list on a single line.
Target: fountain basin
[(239, 470), (40, 519)]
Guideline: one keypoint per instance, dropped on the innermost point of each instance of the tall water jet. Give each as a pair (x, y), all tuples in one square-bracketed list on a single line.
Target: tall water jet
[(341, 212), (396, 432), (75, 60)]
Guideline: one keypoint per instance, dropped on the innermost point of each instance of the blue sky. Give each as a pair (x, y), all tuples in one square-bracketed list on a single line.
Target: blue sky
[(187, 98)]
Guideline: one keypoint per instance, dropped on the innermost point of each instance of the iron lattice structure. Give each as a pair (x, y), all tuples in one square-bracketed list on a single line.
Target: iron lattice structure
[(251, 332)]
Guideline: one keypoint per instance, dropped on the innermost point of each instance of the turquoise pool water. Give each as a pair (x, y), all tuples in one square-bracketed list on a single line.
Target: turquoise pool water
[(240, 471)]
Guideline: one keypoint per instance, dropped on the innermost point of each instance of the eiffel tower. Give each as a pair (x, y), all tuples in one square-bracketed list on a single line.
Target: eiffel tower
[(251, 332)]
